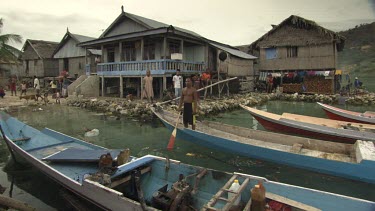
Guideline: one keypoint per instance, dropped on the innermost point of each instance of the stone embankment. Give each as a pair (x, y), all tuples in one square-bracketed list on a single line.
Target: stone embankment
[(140, 109)]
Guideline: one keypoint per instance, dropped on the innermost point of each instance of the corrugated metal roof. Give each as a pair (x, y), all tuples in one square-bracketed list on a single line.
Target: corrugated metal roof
[(156, 24), (234, 52), (95, 52), (81, 38)]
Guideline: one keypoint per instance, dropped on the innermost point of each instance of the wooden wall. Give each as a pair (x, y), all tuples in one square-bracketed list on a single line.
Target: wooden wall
[(76, 65), (315, 50), (51, 68), (309, 57), (235, 66), (35, 68), (126, 26), (70, 49)]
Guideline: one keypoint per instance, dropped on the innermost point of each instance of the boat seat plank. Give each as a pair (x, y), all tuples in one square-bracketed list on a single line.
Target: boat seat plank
[(325, 122), (80, 155), (51, 145), (369, 114), (132, 165), (127, 178), (296, 148), (22, 139), (290, 202), (360, 135)]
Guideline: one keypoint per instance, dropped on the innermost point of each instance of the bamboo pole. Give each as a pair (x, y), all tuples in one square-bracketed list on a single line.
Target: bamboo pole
[(201, 89), (15, 204)]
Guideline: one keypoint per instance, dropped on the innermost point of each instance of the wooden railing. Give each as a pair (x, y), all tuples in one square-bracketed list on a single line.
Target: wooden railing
[(151, 65)]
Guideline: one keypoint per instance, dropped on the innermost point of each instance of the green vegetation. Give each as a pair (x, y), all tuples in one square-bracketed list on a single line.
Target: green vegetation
[(358, 56), (7, 52)]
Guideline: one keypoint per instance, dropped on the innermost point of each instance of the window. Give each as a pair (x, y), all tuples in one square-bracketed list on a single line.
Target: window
[(111, 55), (174, 47), (27, 67), (128, 52), (149, 51), (66, 64), (292, 52), (271, 53)]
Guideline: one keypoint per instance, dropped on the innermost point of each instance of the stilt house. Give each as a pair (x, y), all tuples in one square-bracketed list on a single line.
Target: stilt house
[(133, 44), (37, 59), (300, 55), (72, 57)]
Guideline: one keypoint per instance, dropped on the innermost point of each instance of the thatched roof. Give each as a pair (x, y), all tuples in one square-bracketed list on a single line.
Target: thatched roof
[(44, 49), (309, 33)]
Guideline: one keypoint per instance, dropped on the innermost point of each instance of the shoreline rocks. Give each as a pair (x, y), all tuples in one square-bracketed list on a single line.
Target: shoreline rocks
[(140, 109)]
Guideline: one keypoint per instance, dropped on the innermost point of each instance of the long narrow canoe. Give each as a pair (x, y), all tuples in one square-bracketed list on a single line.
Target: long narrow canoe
[(367, 117), (319, 128), (354, 161), (151, 182)]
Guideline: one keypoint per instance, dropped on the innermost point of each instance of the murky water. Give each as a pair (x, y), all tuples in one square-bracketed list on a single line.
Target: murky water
[(36, 189)]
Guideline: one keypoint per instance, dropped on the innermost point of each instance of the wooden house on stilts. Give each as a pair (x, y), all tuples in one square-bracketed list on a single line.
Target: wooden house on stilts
[(300, 55), (133, 44), (37, 59), (72, 58)]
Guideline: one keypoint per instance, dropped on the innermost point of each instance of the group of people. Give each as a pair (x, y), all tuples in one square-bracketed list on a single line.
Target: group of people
[(24, 86)]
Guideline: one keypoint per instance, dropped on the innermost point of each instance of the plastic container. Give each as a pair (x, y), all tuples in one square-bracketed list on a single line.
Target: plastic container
[(234, 187), (258, 198)]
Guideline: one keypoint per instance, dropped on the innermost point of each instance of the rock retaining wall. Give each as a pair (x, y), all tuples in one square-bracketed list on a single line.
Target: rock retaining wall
[(140, 109)]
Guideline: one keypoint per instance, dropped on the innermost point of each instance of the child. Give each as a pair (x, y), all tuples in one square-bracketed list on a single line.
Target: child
[(2, 92), (23, 88), (58, 97)]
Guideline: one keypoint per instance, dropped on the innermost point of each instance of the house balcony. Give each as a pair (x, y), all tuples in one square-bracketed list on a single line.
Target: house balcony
[(157, 67)]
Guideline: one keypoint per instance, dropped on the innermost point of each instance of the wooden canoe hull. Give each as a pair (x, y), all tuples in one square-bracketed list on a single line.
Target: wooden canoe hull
[(282, 128), (316, 128), (45, 142), (345, 115), (362, 171)]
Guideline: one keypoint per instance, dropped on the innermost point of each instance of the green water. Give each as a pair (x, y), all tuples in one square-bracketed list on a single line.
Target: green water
[(33, 187)]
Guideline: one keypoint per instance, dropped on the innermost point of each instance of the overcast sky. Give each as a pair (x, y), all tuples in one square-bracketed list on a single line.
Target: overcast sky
[(233, 22)]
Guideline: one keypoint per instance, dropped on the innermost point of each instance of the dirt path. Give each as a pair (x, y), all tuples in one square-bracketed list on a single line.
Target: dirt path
[(15, 101)]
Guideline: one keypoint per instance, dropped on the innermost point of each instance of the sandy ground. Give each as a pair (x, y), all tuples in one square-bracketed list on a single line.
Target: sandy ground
[(13, 101)]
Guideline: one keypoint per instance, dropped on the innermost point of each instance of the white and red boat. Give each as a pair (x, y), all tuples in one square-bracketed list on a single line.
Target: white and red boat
[(320, 128), (367, 117)]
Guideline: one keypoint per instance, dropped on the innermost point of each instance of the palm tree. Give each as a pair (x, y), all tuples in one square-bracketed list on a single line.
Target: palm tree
[(7, 52)]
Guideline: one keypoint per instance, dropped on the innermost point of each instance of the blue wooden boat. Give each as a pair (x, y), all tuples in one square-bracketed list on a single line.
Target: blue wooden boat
[(151, 182), (354, 161)]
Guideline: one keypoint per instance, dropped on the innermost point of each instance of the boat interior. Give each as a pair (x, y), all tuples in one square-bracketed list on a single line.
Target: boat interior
[(150, 181), (294, 144)]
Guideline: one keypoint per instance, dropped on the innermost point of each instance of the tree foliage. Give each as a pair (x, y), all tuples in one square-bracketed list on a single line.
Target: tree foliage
[(8, 52)]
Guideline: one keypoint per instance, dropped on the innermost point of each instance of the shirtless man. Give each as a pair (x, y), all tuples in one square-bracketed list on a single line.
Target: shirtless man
[(189, 97)]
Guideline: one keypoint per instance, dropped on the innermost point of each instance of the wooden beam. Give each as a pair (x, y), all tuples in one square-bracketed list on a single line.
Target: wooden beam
[(121, 87), (165, 47), (127, 178), (103, 86)]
